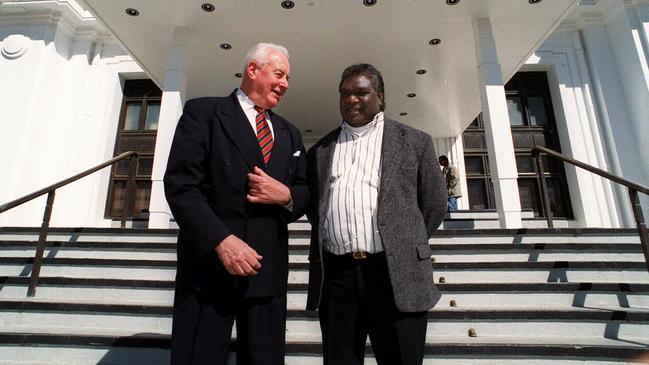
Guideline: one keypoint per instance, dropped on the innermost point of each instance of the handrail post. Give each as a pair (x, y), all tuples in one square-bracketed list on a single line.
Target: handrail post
[(544, 191), (129, 189), (640, 223), (42, 237)]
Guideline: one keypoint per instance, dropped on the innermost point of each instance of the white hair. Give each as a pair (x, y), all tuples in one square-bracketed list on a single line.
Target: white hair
[(259, 53)]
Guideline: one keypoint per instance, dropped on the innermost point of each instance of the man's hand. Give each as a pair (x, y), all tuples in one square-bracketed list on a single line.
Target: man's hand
[(237, 257), (263, 189)]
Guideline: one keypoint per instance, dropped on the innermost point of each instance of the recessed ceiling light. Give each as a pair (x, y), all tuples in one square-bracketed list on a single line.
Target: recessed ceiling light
[(132, 12), (288, 4), (369, 2), (225, 46), (207, 7), (238, 74), (411, 95), (535, 1), (403, 114), (435, 41), (421, 72), (452, 2)]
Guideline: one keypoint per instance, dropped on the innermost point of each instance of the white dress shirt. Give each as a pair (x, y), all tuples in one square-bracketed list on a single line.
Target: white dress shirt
[(351, 216), (249, 109)]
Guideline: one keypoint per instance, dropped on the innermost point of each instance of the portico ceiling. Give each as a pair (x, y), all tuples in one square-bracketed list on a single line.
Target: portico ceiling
[(325, 36)]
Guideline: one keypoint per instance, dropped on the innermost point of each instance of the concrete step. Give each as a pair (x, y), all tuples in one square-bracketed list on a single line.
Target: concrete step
[(453, 272), (157, 292), (128, 320), (450, 252), (151, 349), (297, 300), (467, 224), (524, 235)]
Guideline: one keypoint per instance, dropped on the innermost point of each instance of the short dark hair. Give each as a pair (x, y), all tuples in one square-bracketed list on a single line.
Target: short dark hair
[(443, 158), (371, 72)]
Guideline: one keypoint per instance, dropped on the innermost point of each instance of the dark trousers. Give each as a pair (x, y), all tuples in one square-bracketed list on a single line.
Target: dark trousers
[(202, 330), (357, 301)]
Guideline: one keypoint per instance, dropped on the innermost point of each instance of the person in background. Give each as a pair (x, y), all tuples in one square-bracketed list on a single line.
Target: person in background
[(452, 177)]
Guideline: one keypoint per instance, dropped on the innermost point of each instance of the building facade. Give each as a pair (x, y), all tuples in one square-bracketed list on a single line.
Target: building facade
[(73, 95)]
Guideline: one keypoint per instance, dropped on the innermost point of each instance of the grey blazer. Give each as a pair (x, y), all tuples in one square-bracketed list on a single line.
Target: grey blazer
[(411, 205)]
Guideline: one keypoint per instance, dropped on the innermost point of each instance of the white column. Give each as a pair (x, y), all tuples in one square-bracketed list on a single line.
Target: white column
[(171, 108), (638, 15), (502, 161)]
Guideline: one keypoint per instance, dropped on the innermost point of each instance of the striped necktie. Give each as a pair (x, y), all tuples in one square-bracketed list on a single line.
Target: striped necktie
[(264, 137)]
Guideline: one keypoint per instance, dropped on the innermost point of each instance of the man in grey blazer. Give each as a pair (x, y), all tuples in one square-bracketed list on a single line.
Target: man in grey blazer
[(376, 198)]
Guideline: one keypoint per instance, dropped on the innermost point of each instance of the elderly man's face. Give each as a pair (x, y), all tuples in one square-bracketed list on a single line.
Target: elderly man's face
[(270, 80), (359, 102)]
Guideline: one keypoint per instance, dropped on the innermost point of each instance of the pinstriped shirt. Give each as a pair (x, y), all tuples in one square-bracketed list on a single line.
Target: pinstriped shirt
[(351, 216)]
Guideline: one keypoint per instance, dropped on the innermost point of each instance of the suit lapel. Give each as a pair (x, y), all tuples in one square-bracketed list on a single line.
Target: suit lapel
[(236, 125), (391, 151), (281, 152)]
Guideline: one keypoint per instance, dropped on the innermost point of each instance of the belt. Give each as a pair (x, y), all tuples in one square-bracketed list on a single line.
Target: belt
[(358, 255)]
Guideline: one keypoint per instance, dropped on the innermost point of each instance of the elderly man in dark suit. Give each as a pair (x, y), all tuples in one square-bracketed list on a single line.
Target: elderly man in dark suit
[(235, 178), (376, 198)]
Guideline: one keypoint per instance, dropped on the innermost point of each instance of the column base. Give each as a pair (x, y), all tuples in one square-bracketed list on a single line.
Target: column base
[(159, 220), (510, 220)]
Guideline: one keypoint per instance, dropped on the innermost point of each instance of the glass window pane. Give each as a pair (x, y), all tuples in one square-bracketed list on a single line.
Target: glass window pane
[(132, 116), (515, 109), (536, 107), (122, 167), (557, 199), (474, 140), (152, 115), (475, 124), (477, 194), (529, 195), (119, 194), (142, 197), (145, 166), (473, 165), (524, 164), (522, 139), (551, 164)]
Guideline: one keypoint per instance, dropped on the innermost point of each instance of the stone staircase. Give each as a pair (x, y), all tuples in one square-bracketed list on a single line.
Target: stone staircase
[(530, 296)]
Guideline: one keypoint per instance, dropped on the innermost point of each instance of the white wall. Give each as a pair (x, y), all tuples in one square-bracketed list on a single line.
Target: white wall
[(59, 109)]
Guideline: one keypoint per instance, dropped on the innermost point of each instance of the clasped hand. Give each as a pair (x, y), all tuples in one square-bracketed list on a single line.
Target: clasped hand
[(264, 189)]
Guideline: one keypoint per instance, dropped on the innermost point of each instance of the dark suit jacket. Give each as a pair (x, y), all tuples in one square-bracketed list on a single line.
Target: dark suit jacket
[(411, 205), (214, 147)]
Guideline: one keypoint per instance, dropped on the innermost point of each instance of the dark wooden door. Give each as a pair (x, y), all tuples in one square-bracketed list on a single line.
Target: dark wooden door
[(138, 125)]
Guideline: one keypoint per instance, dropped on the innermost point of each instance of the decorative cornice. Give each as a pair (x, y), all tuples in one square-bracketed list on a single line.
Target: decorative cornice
[(595, 13), (634, 3), (54, 18), (70, 7), (14, 46)]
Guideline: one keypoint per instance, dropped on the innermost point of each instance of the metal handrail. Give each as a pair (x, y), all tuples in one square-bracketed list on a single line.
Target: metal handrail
[(50, 191), (633, 188)]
